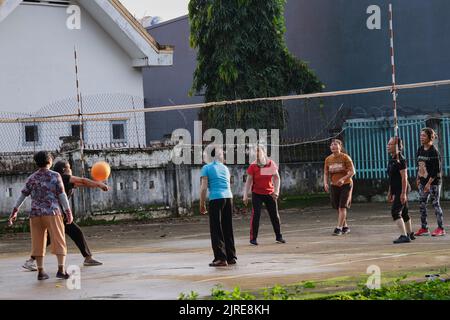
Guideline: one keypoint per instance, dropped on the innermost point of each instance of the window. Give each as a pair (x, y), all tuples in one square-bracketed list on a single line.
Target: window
[(9, 192), (31, 133), (53, 2), (120, 186), (75, 130), (135, 185), (152, 184), (118, 129)]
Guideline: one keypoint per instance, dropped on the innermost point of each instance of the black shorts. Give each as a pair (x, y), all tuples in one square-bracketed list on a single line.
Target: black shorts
[(341, 197)]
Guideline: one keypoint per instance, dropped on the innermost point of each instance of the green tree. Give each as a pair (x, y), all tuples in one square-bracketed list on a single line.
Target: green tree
[(242, 54)]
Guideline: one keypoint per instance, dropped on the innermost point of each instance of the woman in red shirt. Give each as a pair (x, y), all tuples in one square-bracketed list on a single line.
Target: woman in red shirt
[(264, 181)]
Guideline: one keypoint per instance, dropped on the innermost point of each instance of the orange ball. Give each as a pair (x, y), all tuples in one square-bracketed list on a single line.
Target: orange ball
[(100, 171)]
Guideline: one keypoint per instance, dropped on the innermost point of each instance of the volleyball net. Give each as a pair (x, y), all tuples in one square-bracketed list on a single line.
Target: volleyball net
[(300, 126)]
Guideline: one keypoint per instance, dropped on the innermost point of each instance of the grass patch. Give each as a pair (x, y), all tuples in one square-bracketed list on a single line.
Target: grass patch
[(395, 286), (304, 201), (20, 226), (89, 221)]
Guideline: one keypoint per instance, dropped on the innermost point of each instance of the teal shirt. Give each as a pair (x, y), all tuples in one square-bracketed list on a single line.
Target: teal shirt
[(218, 180)]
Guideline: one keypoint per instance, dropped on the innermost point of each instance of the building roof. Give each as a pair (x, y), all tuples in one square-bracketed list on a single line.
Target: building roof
[(174, 20), (121, 26)]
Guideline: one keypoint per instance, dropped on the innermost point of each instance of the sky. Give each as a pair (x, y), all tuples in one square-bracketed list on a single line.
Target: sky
[(166, 9)]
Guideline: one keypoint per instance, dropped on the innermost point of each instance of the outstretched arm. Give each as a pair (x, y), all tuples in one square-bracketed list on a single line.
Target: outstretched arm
[(88, 183)]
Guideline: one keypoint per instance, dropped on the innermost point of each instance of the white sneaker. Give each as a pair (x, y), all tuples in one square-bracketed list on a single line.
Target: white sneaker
[(30, 265)]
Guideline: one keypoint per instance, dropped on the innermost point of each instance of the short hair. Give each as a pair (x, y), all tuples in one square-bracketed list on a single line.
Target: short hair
[(43, 158), (430, 133)]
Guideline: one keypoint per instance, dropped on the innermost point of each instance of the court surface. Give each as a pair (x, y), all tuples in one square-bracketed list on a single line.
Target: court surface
[(161, 260)]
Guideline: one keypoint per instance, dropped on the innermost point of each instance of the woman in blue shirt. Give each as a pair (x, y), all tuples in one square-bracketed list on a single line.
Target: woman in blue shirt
[(215, 177)]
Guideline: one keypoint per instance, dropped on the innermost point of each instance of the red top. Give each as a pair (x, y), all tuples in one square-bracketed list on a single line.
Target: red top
[(262, 177)]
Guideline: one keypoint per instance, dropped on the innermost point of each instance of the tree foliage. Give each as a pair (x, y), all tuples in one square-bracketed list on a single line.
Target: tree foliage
[(242, 54)]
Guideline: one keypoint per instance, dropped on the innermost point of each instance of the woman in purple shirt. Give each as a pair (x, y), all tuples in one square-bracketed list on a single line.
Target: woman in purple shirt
[(46, 189)]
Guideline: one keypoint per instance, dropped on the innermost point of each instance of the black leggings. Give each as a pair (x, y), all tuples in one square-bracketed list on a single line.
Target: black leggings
[(272, 208), (221, 228), (76, 234), (399, 210)]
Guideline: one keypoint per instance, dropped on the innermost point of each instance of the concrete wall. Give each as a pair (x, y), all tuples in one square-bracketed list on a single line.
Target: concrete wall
[(144, 181), (332, 36), (140, 180)]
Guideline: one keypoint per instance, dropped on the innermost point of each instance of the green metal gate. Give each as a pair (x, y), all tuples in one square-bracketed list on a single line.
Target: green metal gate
[(446, 146), (366, 142)]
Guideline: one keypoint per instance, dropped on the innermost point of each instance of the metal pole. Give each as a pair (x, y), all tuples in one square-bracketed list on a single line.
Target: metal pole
[(80, 114), (394, 85), (81, 124)]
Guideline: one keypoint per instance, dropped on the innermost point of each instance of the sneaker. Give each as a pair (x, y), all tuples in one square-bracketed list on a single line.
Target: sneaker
[(411, 236), (253, 242), (42, 276), (91, 262), (402, 239), (422, 232), (280, 240), (337, 232), (218, 263), (231, 261), (30, 265), (345, 230), (62, 275), (439, 232)]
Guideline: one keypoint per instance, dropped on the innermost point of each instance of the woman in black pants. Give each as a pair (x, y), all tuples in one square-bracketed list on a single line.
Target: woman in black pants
[(72, 230), (263, 180), (398, 190)]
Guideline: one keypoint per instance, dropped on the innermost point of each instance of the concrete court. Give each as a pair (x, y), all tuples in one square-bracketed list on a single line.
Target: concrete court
[(161, 260)]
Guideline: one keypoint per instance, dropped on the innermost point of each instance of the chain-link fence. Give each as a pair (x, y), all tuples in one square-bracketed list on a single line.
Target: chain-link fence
[(43, 131)]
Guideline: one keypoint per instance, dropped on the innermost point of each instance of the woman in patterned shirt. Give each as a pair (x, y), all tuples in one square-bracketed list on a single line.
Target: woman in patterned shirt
[(46, 189)]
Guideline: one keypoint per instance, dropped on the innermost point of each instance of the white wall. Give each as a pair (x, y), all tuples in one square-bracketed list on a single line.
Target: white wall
[(37, 60)]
